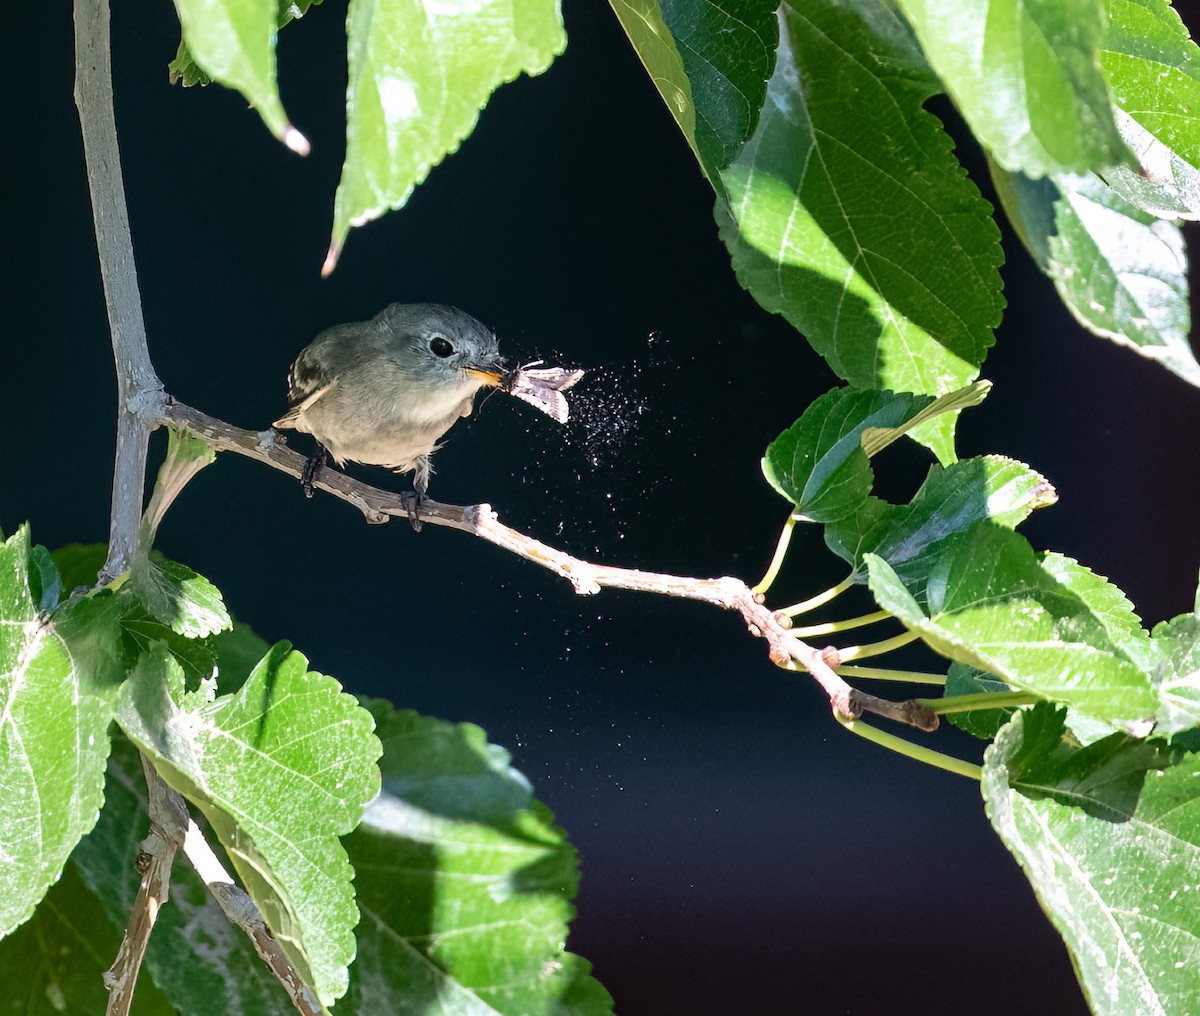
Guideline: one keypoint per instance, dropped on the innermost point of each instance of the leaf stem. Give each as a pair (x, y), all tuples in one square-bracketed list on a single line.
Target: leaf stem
[(877, 648), (980, 700), (804, 606), (917, 752), (785, 537), (881, 674), (830, 627)]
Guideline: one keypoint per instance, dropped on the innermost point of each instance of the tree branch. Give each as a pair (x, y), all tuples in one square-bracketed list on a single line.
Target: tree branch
[(139, 391), (168, 822), (241, 911), (378, 505)]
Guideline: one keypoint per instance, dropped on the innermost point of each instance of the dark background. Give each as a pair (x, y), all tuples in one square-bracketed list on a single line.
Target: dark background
[(740, 852)]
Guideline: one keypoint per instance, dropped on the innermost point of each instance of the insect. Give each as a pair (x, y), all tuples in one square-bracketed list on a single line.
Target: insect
[(542, 388)]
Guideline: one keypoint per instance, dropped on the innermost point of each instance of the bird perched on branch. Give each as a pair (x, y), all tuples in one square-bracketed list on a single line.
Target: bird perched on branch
[(385, 391)]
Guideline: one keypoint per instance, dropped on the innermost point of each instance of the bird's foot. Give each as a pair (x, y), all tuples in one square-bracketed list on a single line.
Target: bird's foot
[(312, 469), (411, 500)]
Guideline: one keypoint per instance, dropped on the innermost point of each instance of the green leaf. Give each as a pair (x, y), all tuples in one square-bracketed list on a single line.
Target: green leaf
[(187, 604), (280, 769), (849, 215), (1153, 72), (982, 723), (204, 965), (951, 499), (818, 463), (1121, 272), (1178, 676), (1111, 843), (420, 72), (179, 598), (988, 603), (78, 564), (1026, 76), (57, 691), (234, 43), (55, 962), (722, 51), (183, 70), (1108, 605), (464, 883)]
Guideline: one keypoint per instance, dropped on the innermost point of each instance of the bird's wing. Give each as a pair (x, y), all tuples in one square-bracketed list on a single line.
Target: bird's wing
[(307, 382)]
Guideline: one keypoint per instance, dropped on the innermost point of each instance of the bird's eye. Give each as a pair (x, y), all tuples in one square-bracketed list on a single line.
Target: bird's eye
[(440, 347)]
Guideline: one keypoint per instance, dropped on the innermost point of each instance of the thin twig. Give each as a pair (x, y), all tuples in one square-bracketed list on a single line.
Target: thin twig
[(168, 821), (139, 391), (479, 520)]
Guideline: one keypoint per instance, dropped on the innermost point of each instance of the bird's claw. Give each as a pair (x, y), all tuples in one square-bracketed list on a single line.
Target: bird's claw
[(411, 500), (312, 469)]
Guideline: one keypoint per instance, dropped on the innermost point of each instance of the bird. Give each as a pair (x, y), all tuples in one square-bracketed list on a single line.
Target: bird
[(384, 392)]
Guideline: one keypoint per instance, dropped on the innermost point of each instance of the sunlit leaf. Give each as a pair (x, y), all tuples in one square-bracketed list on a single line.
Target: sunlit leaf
[(888, 264), (987, 602), (58, 682), (819, 464), (281, 768), (1026, 76), (720, 51), (234, 44), (1153, 72), (1178, 677), (464, 883), (1110, 840), (951, 499), (205, 965), (420, 72)]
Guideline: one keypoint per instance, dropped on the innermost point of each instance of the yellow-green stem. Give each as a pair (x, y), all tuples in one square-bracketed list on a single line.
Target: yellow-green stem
[(804, 606), (785, 537), (914, 751), (980, 700), (829, 627), (877, 648), (882, 674)]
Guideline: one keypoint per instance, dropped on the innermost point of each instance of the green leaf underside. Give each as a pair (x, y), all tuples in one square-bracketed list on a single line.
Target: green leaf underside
[(58, 680), (202, 963), (464, 883), (183, 69), (907, 537), (1177, 679), (1111, 843), (989, 603), (280, 769), (55, 962), (1153, 73), (1121, 273), (889, 266), (1026, 76), (234, 44), (420, 72), (818, 463)]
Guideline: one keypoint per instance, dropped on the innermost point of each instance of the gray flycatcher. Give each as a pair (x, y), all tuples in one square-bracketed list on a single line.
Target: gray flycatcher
[(384, 391)]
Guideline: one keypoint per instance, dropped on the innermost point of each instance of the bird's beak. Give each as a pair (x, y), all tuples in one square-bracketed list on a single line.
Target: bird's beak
[(491, 378)]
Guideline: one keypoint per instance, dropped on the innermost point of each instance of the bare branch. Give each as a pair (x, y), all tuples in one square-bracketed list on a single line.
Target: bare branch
[(241, 911), (168, 822), (139, 391), (479, 520)]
